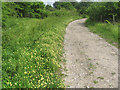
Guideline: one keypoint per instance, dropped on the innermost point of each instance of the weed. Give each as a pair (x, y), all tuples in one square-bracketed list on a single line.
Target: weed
[(95, 82), (90, 73), (91, 66), (97, 63), (113, 73), (89, 58), (101, 78)]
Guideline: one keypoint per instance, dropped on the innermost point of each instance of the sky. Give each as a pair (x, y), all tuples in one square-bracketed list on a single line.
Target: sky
[(54, 0), (50, 2)]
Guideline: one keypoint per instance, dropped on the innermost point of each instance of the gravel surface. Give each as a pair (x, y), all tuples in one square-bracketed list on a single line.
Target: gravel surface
[(91, 62)]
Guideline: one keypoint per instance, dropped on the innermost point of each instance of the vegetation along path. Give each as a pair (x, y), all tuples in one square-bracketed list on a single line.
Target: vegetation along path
[(90, 61)]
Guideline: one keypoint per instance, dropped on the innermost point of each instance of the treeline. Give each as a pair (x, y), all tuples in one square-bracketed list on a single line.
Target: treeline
[(30, 10), (97, 11), (23, 9), (104, 11), (80, 7)]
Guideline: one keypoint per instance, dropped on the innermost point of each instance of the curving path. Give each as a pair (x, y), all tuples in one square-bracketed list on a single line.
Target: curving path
[(90, 61)]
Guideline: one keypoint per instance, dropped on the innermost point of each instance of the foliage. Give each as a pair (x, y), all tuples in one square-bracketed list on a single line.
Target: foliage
[(82, 7), (66, 5), (8, 9), (104, 11), (23, 9), (62, 12), (50, 8)]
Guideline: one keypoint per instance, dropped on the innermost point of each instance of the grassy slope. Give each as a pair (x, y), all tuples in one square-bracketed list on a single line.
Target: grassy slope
[(107, 31), (32, 49)]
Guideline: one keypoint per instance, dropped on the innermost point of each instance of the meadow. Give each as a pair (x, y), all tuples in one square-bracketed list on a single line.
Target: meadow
[(32, 50)]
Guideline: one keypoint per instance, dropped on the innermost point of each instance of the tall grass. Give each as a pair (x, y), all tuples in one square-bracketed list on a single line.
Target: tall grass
[(108, 31), (32, 50)]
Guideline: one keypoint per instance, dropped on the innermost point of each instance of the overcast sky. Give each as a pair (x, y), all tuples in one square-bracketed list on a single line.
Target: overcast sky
[(53, 0), (50, 2)]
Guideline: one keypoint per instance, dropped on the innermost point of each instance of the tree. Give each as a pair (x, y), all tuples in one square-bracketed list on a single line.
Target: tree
[(8, 9), (103, 10), (82, 7), (61, 4), (23, 9)]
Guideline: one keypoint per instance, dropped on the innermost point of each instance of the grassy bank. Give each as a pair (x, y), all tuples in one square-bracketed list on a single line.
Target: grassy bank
[(108, 31), (32, 50)]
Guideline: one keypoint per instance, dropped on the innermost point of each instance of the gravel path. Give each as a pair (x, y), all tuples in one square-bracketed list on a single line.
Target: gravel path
[(90, 61)]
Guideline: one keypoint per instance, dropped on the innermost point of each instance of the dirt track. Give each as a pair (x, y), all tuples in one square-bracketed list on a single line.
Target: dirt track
[(90, 60)]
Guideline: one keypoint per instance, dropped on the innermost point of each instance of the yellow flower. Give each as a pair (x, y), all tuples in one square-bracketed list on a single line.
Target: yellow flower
[(41, 84), (42, 78), (25, 72), (7, 82), (38, 81), (40, 74), (33, 71), (51, 74), (10, 84), (24, 67), (32, 56), (38, 86)]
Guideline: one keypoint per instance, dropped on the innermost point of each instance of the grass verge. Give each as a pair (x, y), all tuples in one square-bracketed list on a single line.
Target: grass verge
[(32, 50), (108, 31)]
